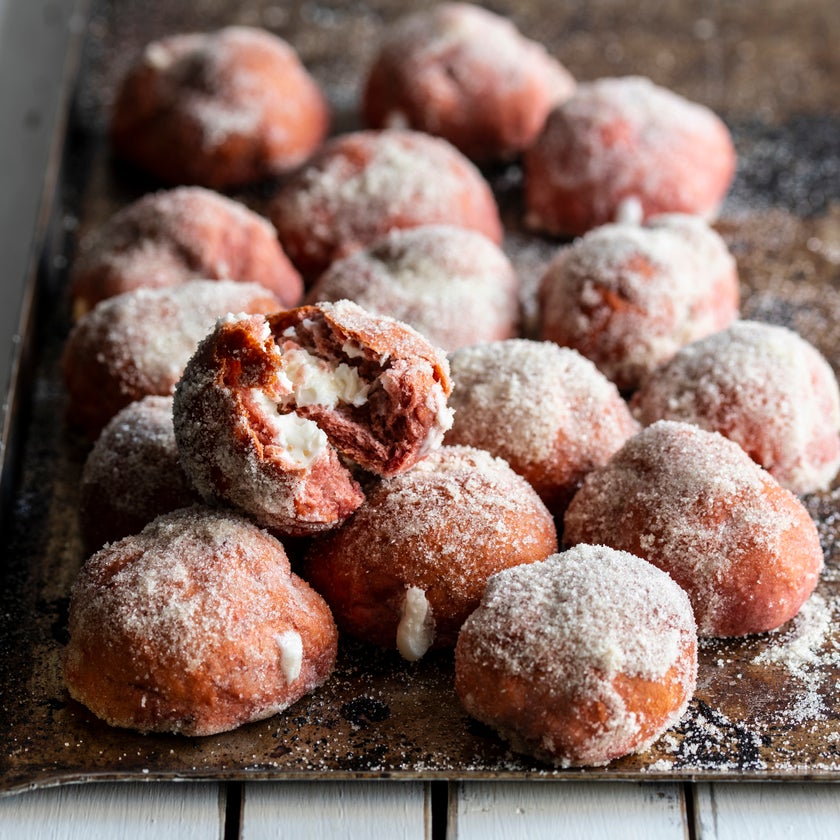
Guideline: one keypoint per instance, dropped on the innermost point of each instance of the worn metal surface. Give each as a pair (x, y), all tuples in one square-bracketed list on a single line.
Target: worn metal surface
[(766, 707)]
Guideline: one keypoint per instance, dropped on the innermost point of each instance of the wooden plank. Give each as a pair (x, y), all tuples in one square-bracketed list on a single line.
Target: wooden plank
[(767, 811), (337, 810), (553, 811)]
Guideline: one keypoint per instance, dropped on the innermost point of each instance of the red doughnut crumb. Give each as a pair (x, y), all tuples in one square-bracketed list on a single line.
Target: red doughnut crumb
[(581, 659), (465, 74), (550, 413), (137, 343), (364, 184), (626, 143), (628, 297), (196, 625), (267, 405), (452, 285), (410, 565), (694, 504), (762, 386), (172, 236), (221, 109)]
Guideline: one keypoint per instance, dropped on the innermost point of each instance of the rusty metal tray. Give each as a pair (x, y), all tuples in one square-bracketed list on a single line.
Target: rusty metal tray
[(766, 707)]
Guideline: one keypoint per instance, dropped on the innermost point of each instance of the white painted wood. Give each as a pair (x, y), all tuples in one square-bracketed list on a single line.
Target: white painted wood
[(336, 811), (767, 811), (129, 811), (574, 810)]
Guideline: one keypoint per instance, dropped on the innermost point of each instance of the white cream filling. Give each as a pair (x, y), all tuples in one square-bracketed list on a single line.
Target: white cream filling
[(415, 632), (300, 438), (314, 381), (291, 654)]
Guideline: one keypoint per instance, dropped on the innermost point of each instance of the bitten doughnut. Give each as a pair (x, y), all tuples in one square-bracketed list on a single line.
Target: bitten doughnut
[(463, 73), (453, 285), (762, 386), (363, 184), (137, 343), (410, 565), (220, 109), (549, 412), (196, 625), (694, 504), (171, 236), (625, 145), (268, 404), (581, 659), (628, 296)]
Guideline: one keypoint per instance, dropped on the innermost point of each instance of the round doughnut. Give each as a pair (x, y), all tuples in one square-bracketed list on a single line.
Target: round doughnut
[(549, 412), (581, 659), (762, 386), (196, 625), (694, 504), (628, 296), (363, 184), (267, 404), (219, 109), (171, 236), (465, 74), (410, 565), (137, 343), (452, 285), (625, 145)]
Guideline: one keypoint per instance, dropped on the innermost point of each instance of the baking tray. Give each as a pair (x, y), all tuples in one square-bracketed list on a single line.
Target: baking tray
[(766, 707)]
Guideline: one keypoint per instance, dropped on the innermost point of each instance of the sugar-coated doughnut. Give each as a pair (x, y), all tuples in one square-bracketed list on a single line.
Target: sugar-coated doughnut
[(697, 506), (762, 386), (452, 285), (363, 184), (463, 73), (410, 565), (267, 405), (219, 109), (188, 233), (625, 144), (137, 343), (581, 659), (196, 625), (628, 296), (548, 411)]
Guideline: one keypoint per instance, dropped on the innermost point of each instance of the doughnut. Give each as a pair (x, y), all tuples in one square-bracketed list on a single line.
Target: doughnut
[(581, 659), (219, 109), (465, 74), (549, 412), (697, 506), (171, 236), (628, 296), (625, 145), (196, 625), (137, 343), (762, 386), (453, 285), (363, 184), (410, 565), (268, 407)]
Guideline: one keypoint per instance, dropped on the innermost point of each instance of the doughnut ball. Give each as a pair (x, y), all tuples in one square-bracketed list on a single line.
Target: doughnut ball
[(363, 184), (268, 407), (578, 660), (463, 73), (625, 143), (453, 285), (220, 109), (171, 236), (548, 411), (132, 474), (410, 565), (697, 506), (628, 296), (762, 386), (137, 343)]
